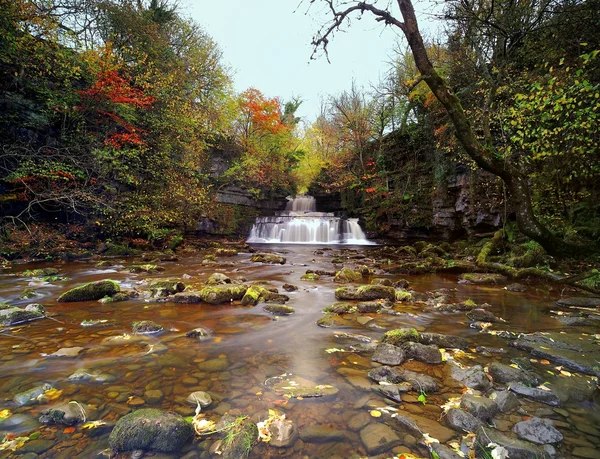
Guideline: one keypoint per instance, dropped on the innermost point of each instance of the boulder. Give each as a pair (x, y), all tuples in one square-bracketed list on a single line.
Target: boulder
[(91, 291), (580, 301), (187, 297), (462, 420), (218, 279), (366, 293), (388, 354), (419, 382), (480, 407), (150, 430), (427, 354), (482, 315), (539, 395), (283, 432), (68, 414), (165, 288), (346, 275), (279, 309), (146, 327), (482, 278), (517, 449), (13, 315), (401, 336), (222, 293), (505, 374), (199, 398), (473, 377), (444, 341), (378, 438), (268, 258), (538, 430), (505, 400)]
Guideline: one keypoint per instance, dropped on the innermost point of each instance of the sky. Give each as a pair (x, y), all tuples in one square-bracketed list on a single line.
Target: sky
[(266, 44)]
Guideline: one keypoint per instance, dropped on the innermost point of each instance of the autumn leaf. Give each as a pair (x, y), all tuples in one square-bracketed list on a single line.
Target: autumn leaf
[(69, 430)]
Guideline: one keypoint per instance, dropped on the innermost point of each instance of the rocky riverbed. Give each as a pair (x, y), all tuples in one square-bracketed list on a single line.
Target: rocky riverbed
[(304, 351)]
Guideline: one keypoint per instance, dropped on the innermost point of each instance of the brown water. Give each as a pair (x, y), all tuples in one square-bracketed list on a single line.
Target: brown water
[(247, 347)]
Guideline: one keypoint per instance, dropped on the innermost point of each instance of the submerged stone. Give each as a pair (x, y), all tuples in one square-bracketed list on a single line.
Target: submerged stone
[(91, 291), (146, 327), (378, 438), (279, 309)]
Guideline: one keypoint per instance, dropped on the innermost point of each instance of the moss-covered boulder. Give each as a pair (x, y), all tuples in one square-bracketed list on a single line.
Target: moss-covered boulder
[(12, 315), (340, 307), (38, 272), (91, 291), (346, 275), (400, 336), (121, 296), (222, 293), (226, 252), (146, 327), (187, 297), (482, 278), (279, 309), (254, 295), (403, 295), (366, 293), (150, 430), (165, 288), (311, 277), (239, 437), (147, 268), (268, 258)]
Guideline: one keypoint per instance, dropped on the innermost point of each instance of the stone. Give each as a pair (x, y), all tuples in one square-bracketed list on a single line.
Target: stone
[(150, 430), (199, 397), (91, 291), (346, 275), (505, 400), (585, 452), (443, 452), (219, 294), (417, 425), (423, 353), (538, 430), (444, 341), (391, 391), (366, 293), (164, 288), (482, 278), (289, 287), (517, 449), (419, 382), (68, 414), (213, 365), (18, 423), (218, 279), (483, 316), (284, 433), (473, 377), (199, 333), (38, 446), (388, 354), (581, 301), (539, 395), (462, 420), (321, 434), (378, 438), (358, 421), (13, 315), (153, 397), (279, 309), (268, 258), (505, 374), (187, 297), (480, 407), (146, 327), (31, 396)]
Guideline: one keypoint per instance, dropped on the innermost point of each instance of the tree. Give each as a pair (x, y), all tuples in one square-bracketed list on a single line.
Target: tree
[(481, 151)]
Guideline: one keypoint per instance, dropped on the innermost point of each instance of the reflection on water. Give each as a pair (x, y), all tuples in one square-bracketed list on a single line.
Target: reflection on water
[(246, 347)]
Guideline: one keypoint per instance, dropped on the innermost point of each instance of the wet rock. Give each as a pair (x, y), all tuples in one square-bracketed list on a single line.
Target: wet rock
[(150, 430), (38, 272), (213, 365), (311, 277), (218, 279), (86, 375), (35, 447), (539, 395), (373, 306), (517, 449), (18, 423), (147, 268), (403, 295), (473, 377), (13, 315), (580, 301), (67, 352), (483, 316), (505, 400), (444, 341), (222, 294), (68, 414), (516, 287), (417, 351), (268, 258), (153, 397), (462, 420), (417, 425), (284, 433), (295, 386), (574, 389), (279, 310), (577, 321), (199, 333), (388, 354), (443, 452), (572, 350), (400, 336), (366, 293), (223, 252), (482, 279), (254, 295), (91, 291), (352, 337), (480, 407), (31, 396), (382, 281), (146, 327), (419, 382), (165, 288), (341, 307), (187, 297), (538, 430), (391, 391), (504, 374), (289, 287), (321, 434), (585, 452), (346, 275), (241, 435), (378, 438), (199, 397)]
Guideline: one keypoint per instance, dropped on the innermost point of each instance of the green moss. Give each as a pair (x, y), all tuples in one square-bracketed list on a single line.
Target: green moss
[(326, 321), (28, 294), (254, 295), (340, 307), (91, 291), (279, 309), (420, 245), (147, 268), (408, 250), (403, 295), (366, 293), (400, 336), (175, 242), (39, 272), (115, 298), (117, 250), (209, 256), (268, 258), (168, 287), (345, 275), (470, 303), (222, 293), (226, 252), (310, 277)]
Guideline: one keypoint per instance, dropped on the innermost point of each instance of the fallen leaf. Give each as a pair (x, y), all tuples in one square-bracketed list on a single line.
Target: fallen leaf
[(69, 430), (375, 413), (545, 362)]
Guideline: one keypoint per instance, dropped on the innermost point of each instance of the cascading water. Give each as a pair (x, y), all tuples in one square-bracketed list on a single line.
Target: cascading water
[(300, 223)]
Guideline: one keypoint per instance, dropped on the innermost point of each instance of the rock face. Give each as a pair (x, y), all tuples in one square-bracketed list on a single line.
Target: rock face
[(366, 293), (91, 291), (150, 430), (538, 431)]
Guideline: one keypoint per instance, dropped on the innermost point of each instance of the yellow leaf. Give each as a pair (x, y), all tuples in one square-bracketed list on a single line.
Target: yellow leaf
[(565, 373), (53, 394), (4, 414), (375, 413)]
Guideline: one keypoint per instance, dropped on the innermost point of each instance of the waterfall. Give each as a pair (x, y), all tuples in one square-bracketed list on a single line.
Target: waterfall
[(300, 223)]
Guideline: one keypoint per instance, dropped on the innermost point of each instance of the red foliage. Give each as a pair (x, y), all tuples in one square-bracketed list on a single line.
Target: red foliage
[(264, 113)]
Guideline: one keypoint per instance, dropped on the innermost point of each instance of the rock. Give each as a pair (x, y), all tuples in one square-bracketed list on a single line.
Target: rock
[(574, 389), (13, 315), (462, 420), (373, 306), (443, 452), (83, 374), (147, 268), (218, 279), (420, 383), (36, 447), (150, 430), (346, 275), (222, 294), (417, 351), (573, 350), (91, 291), (585, 452), (473, 377), (533, 393), (480, 407), (388, 354), (505, 400), (295, 386), (268, 258), (505, 374), (31, 396), (213, 365), (38, 272), (382, 281), (417, 425), (321, 434), (312, 277), (146, 327), (516, 287), (279, 310), (241, 435), (444, 341), (366, 293), (289, 287), (68, 414), (483, 316), (352, 337), (378, 438), (284, 433), (401, 336), (199, 397), (576, 321), (341, 307), (165, 288), (187, 297), (18, 423), (517, 449), (223, 252), (403, 295), (391, 391), (538, 430), (580, 301), (199, 333), (482, 278)]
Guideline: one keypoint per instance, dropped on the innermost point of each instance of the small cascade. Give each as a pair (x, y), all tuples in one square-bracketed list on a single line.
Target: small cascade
[(300, 223)]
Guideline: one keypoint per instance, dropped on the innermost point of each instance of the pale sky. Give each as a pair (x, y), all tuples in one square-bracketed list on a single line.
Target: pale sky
[(266, 43)]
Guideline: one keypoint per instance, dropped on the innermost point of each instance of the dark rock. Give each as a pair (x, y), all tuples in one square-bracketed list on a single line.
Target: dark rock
[(577, 321), (150, 430), (574, 389), (480, 407), (68, 414), (473, 377), (366, 293), (268, 258), (516, 288), (382, 281), (146, 327), (538, 430), (444, 341), (505, 400), (462, 420), (165, 288), (340, 307), (391, 391), (371, 306), (483, 316), (388, 354), (289, 287), (417, 351), (582, 302), (443, 452), (187, 297), (91, 291), (504, 374), (199, 333), (10, 316), (539, 395), (420, 383), (417, 425), (517, 449), (378, 438)]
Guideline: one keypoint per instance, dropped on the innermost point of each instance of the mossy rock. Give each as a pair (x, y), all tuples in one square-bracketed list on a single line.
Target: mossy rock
[(218, 279), (310, 277), (400, 336), (366, 293), (341, 307), (166, 287), (240, 436), (147, 268), (431, 249), (39, 272), (117, 297), (13, 315), (420, 246), (175, 242), (279, 310), (403, 295), (254, 295), (226, 252), (29, 294), (407, 249), (222, 293), (146, 327), (268, 258), (52, 279), (326, 321), (91, 291), (150, 430), (209, 257), (483, 278), (346, 275), (187, 297), (381, 281)]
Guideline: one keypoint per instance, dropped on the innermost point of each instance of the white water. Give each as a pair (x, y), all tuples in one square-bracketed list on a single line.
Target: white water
[(301, 224)]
